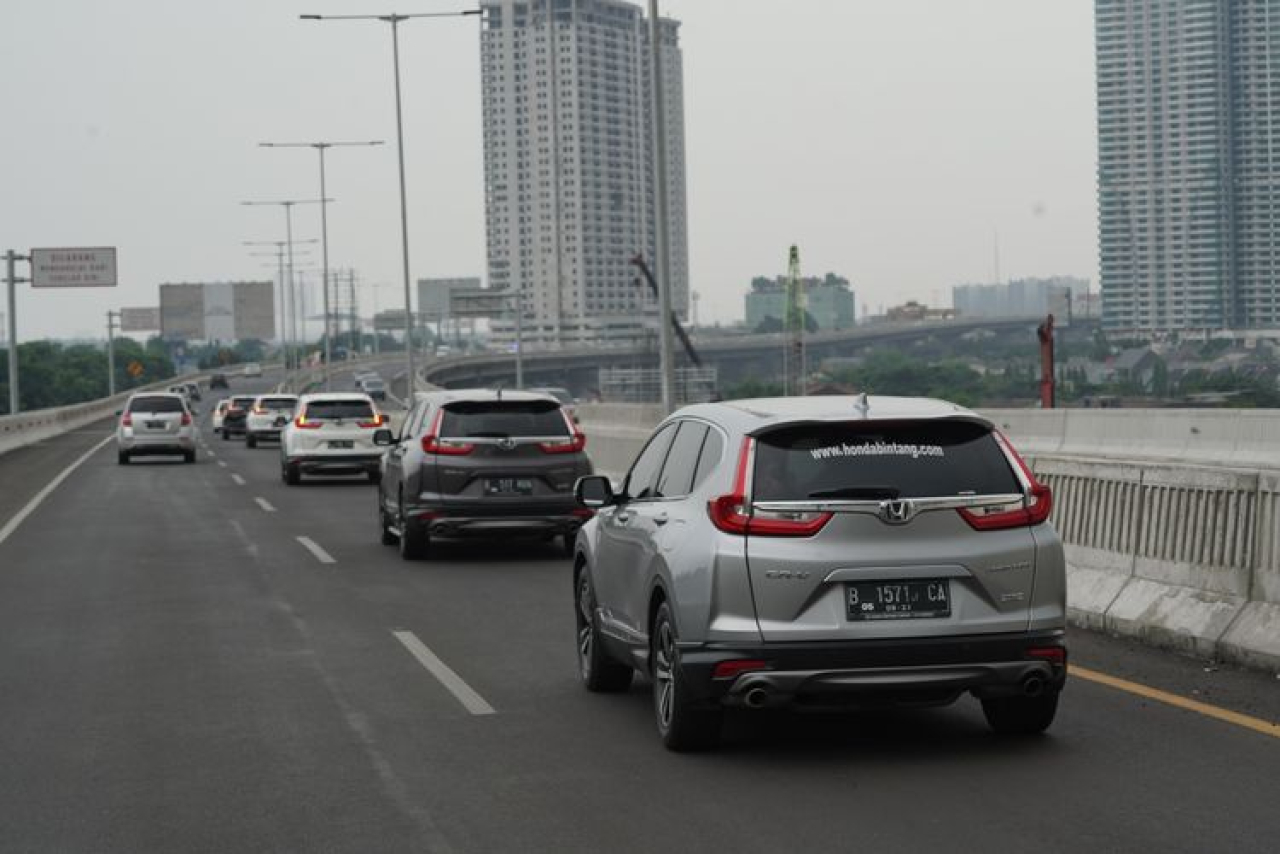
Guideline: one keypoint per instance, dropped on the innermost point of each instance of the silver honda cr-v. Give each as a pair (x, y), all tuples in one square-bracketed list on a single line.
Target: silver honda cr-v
[(823, 552)]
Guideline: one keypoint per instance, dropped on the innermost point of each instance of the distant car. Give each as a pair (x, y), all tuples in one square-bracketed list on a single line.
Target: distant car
[(180, 389), (443, 350), (333, 433), (823, 552), (219, 411), (252, 369), (193, 390), (236, 416), (218, 381), (566, 399), (481, 463), (375, 387), (267, 418), (155, 423)]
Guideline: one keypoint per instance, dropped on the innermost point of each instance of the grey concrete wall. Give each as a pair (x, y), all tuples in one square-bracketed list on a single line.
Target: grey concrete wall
[(1170, 518)]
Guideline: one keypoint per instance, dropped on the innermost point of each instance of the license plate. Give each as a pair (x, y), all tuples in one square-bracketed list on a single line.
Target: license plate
[(508, 486), (345, 444), (898, 600), (155, 425)]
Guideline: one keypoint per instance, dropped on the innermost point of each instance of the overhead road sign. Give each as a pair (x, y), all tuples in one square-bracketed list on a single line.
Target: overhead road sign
[(139, 319), (83, 267)]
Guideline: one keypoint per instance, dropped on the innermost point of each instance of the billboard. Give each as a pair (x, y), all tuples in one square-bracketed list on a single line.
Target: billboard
[(139, 319), (217, 311), (86, 267)]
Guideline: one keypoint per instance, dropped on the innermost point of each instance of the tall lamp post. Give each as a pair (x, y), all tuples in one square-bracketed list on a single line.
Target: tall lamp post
[(112, 318), (394, 20), (322, 147), (279, 255), (666, 354), (288, 204)]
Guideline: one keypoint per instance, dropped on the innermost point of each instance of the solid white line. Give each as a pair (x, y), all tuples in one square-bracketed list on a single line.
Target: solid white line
[(474, 703), (265, 505), (16, 520), (238, 479), (311, 546)]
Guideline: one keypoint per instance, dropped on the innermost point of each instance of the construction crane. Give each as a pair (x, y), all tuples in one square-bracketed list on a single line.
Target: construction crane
[(793, 368)]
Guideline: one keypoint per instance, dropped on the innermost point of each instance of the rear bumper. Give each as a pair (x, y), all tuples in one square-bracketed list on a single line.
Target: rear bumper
[(157, 444), (489, 519), (336, 463), (234, 425), (919, 671)]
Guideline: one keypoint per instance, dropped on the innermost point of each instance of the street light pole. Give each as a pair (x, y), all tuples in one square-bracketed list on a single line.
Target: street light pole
[(322, 147), (666, 354), (279, 255), (394, 20), (111, 352)]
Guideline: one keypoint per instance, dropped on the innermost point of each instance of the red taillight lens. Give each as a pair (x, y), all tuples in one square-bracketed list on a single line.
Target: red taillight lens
[(574, 444), (733, 513), (127, 420), (302, 423), (1033, 510), (186, 418), (258, 410), (731, 669), (378, 420), (433, 444), (583, 512)]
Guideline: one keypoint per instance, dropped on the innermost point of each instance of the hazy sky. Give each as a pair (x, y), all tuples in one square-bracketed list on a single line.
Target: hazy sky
[(891, 140)]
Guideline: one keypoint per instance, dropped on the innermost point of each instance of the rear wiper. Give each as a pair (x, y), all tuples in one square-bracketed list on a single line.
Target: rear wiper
[(483, 434), (864, 492)]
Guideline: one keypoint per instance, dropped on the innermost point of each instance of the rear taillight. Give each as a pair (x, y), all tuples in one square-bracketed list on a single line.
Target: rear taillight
[(736, 667), (186, 418), (302, 423), (127, 420), (572, 445), (433, 444), (1051, 654), (1032, 510), (258, 410), (733, 513), (378, 420)]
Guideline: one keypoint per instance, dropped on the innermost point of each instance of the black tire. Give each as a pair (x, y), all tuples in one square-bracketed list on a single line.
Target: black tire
[(1021, 715), (189, 456), (122, 457), (386, 537), (292, 474), (681, 725), (568, 542), (414, 541), (375, 476), (226, 434), (250, 440), (599, 673)]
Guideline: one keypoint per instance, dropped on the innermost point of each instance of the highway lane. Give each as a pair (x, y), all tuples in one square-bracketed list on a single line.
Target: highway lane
[(182, 673)]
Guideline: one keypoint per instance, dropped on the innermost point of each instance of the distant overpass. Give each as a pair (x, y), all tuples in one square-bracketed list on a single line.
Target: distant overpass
[(737, 358)]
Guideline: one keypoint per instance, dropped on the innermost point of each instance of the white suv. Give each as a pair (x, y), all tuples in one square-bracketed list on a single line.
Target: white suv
[(332, 433), (155, 423), (268, 417)]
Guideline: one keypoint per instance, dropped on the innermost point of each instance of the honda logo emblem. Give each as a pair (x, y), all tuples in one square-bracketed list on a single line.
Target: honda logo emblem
[(897, 512), (507, 444)]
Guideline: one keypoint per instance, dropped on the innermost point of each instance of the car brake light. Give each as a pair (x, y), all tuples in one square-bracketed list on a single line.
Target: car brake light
[(258, 410), (186, 418), (302, 423), (433, 444), (378, 420), (574, 444), (1051, 654), (731, 669), (127, 420), (1032, 510), (733, 513)]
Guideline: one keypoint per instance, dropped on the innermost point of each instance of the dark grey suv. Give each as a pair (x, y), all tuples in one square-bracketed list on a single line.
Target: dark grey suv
[(482, 463), (823, 552)]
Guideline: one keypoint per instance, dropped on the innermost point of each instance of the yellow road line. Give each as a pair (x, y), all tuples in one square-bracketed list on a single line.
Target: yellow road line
[(1226, 715)]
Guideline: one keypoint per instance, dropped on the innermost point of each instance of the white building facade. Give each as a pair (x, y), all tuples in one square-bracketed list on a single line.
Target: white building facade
[(569, 167)]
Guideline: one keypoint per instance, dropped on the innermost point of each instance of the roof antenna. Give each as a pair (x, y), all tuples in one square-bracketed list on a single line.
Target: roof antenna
[(860, 403)]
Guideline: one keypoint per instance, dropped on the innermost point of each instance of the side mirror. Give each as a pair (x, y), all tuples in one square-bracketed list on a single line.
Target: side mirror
[(594, 491), (383, 437)]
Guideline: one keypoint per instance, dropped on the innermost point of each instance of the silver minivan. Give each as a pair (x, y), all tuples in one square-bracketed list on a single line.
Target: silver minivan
[(823, 553), (155, 423)]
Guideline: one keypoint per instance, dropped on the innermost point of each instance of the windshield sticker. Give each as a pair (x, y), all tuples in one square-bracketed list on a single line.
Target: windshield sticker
[(877, 449)]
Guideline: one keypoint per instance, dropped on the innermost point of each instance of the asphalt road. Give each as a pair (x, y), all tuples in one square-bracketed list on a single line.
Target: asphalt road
[(199, 658)]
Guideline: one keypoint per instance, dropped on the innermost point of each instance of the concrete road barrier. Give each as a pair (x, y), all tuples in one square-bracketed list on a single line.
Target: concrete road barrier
[(1170, 518)]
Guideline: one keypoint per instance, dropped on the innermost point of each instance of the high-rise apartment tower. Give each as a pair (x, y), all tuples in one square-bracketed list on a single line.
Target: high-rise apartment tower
[(569, 165), (1188, 201)]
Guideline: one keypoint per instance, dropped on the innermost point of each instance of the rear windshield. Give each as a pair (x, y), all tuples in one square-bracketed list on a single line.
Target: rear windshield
[(278, 403), (242, 402), (880, 460), (502, 419), (338, 410), (373, 383), (156, 404)]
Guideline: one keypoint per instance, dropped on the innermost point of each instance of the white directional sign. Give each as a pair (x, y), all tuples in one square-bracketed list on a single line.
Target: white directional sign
[(139, 319), (86, 267)]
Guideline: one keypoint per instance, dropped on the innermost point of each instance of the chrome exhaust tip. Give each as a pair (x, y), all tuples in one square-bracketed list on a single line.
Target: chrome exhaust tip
[(756, 698)]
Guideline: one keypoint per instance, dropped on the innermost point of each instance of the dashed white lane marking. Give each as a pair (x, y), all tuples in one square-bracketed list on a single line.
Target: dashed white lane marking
[(222, 464), (311, 546), (238, 479), (17, 519), (465, 694), (210, 451), (265, 505)]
